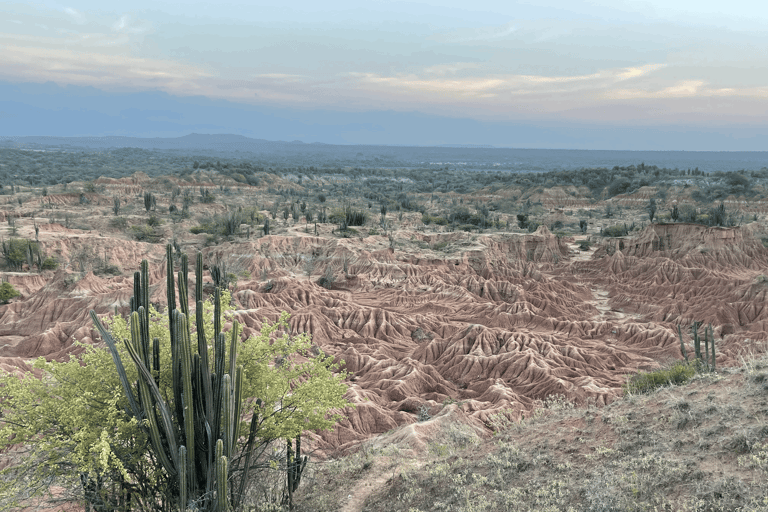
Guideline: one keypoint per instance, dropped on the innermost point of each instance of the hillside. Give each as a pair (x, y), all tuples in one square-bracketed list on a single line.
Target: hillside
[(480, 350)]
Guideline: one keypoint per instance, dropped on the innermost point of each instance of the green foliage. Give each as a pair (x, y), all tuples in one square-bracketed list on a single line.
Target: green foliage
[(7, 292), (50, 263), (18, 251), (87, 409), (347, 216), (618, 186), (433, 219), (228, 224), (615, 231), (144, 233), (645, 382), (687, 213)]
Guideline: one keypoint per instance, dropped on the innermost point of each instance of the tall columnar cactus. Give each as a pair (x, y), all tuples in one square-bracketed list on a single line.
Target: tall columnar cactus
[(194, 435), (705, 359), (295, 465)]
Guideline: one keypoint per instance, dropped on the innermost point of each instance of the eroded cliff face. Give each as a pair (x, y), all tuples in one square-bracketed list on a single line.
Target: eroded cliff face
[(492, 322)]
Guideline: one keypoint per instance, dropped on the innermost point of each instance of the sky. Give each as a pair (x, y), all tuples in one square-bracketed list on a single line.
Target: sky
[(602, 74)]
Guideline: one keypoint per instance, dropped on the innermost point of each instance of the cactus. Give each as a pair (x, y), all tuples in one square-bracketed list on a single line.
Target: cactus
[(295, 467), (682, 345), (221, 478), (182, 478), (194, 436), (705, 360)]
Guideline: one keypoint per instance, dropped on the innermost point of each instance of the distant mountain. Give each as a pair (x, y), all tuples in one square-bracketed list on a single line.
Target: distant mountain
[(193, 141), (464, 146)]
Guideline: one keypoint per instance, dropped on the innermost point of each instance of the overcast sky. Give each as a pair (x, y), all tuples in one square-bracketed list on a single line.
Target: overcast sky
[(664, 65)]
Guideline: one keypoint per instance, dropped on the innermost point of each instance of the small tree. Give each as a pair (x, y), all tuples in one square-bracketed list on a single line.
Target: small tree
[(7, 292), (651, 209)]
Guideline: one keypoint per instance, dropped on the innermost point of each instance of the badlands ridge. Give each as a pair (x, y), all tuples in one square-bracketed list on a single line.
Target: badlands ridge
[(495, 322)]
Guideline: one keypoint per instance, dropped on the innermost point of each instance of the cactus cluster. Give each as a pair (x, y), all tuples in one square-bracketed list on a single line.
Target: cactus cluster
[(192, 433), (706, 360)]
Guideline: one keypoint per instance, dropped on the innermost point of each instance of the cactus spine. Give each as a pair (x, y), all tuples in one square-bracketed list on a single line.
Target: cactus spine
[(195, 436)]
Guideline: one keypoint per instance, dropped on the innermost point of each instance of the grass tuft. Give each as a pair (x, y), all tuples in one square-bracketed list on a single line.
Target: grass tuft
[(676, 374)]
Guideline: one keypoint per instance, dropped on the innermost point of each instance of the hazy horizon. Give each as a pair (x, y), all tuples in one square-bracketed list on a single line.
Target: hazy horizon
[(626, 75)]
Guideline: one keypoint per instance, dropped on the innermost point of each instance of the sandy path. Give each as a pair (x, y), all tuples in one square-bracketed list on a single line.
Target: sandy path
[(381, 473)]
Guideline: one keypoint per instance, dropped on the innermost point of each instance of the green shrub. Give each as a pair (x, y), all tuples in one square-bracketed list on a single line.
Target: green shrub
[(118, 223), (7, 292), (203, 228), (678, 373), (50, 263), (614, 231), (143, 233), (430, 219)]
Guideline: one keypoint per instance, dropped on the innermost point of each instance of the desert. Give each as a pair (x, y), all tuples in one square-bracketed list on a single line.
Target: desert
[(490, 336)]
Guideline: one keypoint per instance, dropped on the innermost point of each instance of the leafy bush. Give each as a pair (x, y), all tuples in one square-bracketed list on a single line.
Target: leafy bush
[(430, 219), (7, 292), (618, 186), (50, 263), (645, 382), (143, 233), (615, 231)]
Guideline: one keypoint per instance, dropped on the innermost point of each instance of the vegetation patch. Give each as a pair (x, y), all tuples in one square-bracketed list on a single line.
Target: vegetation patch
[(675, 374)]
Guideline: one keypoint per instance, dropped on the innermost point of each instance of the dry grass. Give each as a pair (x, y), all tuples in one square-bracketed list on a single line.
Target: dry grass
[(700, 446)]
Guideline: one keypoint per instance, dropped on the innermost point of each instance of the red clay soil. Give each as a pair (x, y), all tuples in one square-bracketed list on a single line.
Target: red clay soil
[(497, 322)]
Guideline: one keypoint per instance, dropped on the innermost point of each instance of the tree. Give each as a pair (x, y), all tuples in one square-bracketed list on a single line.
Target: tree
[(130, 437), (7, 292), (651, 209)]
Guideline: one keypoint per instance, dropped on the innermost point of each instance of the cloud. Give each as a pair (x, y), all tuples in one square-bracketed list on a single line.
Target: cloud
[(16, 22), (126, 25), (491, 33), (637, 72), (76, 16), (98, 69)]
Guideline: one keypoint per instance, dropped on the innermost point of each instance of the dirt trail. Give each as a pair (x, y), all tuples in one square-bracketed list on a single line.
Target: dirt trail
[(378, 476)]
